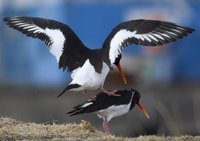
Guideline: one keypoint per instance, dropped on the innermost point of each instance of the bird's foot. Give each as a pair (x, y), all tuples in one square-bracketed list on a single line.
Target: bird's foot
[(110, 93), (90, 98), (106, 127)]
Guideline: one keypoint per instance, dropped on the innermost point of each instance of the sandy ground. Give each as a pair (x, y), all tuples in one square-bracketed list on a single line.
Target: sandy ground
[(11, 129)]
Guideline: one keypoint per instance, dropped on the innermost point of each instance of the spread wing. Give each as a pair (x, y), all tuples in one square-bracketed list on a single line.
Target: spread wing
[(62, 42), (142, 32)]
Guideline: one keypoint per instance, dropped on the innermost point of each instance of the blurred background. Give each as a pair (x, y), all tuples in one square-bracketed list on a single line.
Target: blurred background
[(167, 77)]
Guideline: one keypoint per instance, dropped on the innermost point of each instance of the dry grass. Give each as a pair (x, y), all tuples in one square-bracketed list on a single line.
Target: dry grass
[(11, 129)]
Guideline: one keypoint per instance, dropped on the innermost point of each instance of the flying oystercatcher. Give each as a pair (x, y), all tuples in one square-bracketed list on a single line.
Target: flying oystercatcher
[(108, 107), (90, 67)]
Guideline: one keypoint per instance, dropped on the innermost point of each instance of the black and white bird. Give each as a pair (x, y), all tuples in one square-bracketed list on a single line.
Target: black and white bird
[(108, 107), (90, 67)]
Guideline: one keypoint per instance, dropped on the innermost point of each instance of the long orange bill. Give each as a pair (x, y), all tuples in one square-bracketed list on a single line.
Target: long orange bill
[(121, 73), (143, 110)]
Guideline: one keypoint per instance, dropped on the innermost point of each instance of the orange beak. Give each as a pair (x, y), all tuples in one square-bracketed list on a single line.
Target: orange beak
[(143, 110), (121, 73)]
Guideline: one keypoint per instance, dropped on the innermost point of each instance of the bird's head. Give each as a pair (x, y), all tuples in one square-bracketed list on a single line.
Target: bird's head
[(117, 63), (136, 100)]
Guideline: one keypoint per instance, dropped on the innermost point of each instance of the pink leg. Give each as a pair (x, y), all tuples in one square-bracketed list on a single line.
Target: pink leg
[(106, 127), (112, 93), (87, 95)]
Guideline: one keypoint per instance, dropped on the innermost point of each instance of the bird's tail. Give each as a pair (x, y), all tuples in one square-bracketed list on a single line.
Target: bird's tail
[(79, 109), (71, 86), (74, 112)]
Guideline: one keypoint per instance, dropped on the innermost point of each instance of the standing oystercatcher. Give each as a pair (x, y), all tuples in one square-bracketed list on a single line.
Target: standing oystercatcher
[(90, 67), (108, 107)]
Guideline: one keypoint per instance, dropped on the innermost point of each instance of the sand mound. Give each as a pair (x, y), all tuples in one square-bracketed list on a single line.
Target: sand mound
[(11, 129)]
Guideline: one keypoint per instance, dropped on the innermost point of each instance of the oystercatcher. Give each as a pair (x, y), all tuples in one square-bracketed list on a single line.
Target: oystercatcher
[(108, 107), (90, 67)]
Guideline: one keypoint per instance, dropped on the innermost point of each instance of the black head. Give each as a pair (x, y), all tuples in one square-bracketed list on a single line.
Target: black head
[(136, 96), (136, 100)]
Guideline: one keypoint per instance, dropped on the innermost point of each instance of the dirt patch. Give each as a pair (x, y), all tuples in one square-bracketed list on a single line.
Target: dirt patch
[(11, 129)]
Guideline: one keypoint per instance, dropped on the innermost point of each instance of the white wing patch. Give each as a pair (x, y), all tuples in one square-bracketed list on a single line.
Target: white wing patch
[(86, 104), (57, 39), (116, 42), (123, 34)]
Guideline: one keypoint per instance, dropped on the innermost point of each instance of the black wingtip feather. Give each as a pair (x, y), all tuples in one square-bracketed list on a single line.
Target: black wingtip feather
[(6, 19), (190, 30), (79, 109), (71, 113), (75, 112)]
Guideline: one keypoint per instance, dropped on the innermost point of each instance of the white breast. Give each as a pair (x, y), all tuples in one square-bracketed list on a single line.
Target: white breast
[(88, 78), (114, 111)]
